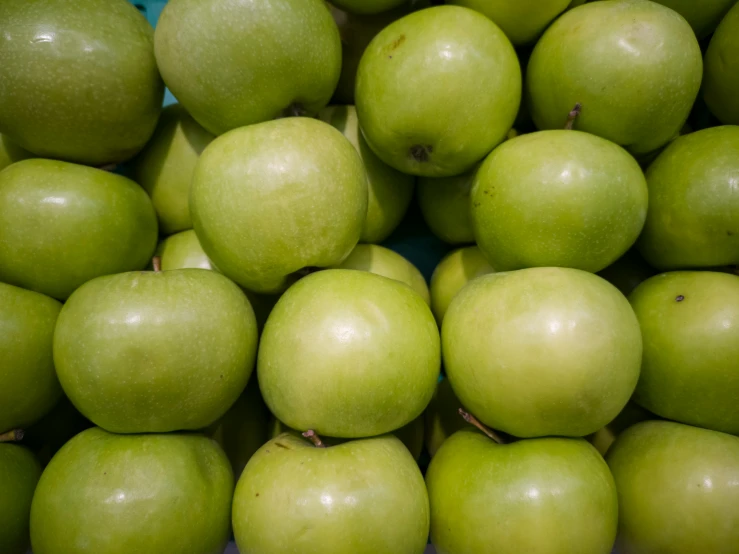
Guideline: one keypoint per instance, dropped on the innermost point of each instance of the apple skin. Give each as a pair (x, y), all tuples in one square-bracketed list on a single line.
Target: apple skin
[(80, 80), (548, 495), (628, 272), (348, 354), (721, 75), (233, 63), (365, 7), (542, 351), (445, 205), (632, 414), (557, 199), (30, 387), (11, 153), (690, 326), (19, 474), (271, 199), (48, 212), (677, 489), (643, 54), (451, 275), (143, 493), (442, 417), (383, 261), (420, 88), (147, 352), (703, 17), (166, 165), (693, 217), (363, 496)]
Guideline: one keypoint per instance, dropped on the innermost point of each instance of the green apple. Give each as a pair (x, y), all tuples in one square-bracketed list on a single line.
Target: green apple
[(437, 90), (442, 417), (390, 191), (110, 494), (634, 66), (542, 351), (451, 275), (19, 473), (557, 198), (522, 21), (11, 153), (677, 489), (232, 63), (270, 200), (165, 167), (721, 77), (150, 352), (690, 325), (63, 224), (29, 387), (576, 3), (411, 435), (693, 217), (628, 272), (363, 496), (445, 205), (632, 414), (80, 81), (703, 16), (368, 7), (548, 495), (383, 261), (348, 354)]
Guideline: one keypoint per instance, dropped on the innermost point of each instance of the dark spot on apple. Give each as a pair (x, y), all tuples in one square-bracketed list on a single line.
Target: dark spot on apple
[(389, 57), (679, 298), (280, 445), (397, 42), (256, 494), (420, 152), (730, 233), (476, 204), (221, 376)]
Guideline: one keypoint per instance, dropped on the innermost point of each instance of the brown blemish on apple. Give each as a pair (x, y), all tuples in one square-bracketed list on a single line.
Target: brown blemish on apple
[(397, 42), (420, 152), (679, 298)]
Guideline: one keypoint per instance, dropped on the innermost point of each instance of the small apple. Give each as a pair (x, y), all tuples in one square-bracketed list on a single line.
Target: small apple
[(628, 272), (442, 417), (632, 414), (703, 16), (11, 153), (19, 473), (721, 77), (445, 205)]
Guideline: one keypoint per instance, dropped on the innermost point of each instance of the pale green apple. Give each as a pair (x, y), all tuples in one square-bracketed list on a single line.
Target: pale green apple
[(63, 224), (703, 16), (80, 81), (363, 496), (19, 473), (368, 7), (232, 63), (693, 217), (690, 325), (721, 76), (522, 21), (390, 191), (272, 199), (445, 205), (111, 494), (165, 167), (383, 261), (442, 417), (348, 354), (149, 352), (11, 153), (548, 495), (677, 489), (632, 414), (634, 66), (437, 90), (542, 351), (557, 198), (628, 272), (451, 275)]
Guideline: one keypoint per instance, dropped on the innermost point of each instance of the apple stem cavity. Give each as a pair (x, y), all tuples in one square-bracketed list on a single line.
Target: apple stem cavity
[(156, 263), (469, 418), (572, 116), (420, 152), (12, 436), (311, 435)]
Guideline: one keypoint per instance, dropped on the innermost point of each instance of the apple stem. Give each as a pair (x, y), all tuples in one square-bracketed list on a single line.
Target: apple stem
[(572, 116), (310, 434), (156, 263), (469, 418), (12, 436)]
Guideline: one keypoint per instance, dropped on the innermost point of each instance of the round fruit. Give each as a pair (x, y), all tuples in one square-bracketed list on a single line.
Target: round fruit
[(721, 78), (19, 473), (703, 16)]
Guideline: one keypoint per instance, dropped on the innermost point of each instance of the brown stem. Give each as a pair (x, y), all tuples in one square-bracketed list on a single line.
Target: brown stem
[(11, 436), (469, 418), (310, 434), (156, 263), (572, 116)]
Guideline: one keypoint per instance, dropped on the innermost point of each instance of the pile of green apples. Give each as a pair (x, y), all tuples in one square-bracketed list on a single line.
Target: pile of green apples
[(207, 330)]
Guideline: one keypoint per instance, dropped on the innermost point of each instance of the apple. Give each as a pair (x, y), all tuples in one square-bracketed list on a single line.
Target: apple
[(362, 496), (19, 473), (158, 494), (451, 275), (445, 205), (703, 16), (721, 77), (690, 325), (521, 21), (442, 417), (383, 261), (542, 351), (368, 7), (628, 272), (80, 82), (232, 63), (270, 200), (348, 354), (63, 224), (557, 198), (150, 352), (11, 153), (677, 489), (634, 66), (693, 217), (165, 167), (632, 414), (29, 386), (437, 90), (548, 495)]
